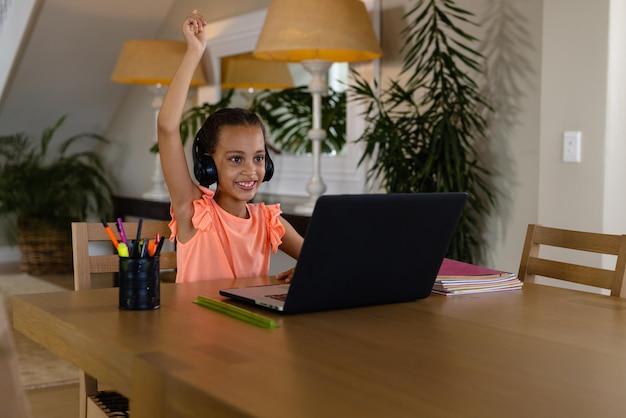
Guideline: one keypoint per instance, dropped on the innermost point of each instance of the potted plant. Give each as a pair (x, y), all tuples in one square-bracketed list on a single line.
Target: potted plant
[(424, 132), (41, 194)]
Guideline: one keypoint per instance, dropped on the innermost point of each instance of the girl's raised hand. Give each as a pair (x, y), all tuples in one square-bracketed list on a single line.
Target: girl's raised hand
[(193, 28)]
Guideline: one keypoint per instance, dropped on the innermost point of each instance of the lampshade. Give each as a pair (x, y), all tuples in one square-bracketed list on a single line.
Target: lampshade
[(149, 61), (244, 71), (329, 30)]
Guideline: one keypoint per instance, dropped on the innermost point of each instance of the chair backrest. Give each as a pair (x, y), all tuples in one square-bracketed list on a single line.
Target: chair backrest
[(532, 264), (85, 264)]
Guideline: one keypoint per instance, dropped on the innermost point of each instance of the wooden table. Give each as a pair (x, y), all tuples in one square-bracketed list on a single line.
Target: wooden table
[(540, 351)]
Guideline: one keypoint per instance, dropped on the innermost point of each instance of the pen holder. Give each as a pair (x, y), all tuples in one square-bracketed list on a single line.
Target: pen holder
[(139, 283)]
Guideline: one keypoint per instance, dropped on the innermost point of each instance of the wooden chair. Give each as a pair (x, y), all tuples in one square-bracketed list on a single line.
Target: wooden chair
[(532, 264), (94, 402)]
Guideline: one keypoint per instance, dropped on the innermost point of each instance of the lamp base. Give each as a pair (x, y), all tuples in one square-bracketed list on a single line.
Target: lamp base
[(305, 208), (317, 87), (159, 191)]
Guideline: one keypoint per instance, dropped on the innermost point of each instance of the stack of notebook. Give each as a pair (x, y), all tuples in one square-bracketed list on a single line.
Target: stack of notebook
[(457, 278)]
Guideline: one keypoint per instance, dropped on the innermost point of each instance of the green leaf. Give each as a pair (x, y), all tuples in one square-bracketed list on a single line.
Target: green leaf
[(423, 130)]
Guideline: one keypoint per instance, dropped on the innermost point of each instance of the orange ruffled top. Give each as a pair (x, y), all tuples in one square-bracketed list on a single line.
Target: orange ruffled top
[(225, 245)]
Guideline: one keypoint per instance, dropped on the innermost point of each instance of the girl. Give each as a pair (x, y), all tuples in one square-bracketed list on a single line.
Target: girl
[(219, 234)]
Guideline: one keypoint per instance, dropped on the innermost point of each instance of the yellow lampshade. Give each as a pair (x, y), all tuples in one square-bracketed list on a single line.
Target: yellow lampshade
[(149, 61), (243, 71), (329, 30)]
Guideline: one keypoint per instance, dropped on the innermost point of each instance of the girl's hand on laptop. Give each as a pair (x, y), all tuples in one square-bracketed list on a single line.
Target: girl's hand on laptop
[(286, 275)]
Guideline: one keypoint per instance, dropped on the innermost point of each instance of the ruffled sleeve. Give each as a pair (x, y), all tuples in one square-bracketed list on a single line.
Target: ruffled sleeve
[(275, 228), (173, 225), (202, 208)]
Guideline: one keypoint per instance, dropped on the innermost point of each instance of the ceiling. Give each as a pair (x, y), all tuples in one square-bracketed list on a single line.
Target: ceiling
[(70, 50)]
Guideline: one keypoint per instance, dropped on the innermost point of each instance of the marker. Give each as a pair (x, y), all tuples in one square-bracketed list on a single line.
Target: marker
[(236, 312), (120, 228), (139, 224), (158, 248), (122, 250), (144, 248), (107, 228), (151, 248)]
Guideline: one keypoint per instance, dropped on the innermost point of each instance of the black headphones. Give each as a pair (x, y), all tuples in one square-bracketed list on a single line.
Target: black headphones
[(206, 172)]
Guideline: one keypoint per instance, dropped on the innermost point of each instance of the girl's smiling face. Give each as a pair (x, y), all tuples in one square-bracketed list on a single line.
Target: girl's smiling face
[(240, 160)]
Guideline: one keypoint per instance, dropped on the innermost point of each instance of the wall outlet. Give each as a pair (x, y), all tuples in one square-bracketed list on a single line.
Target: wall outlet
[(572, 146)]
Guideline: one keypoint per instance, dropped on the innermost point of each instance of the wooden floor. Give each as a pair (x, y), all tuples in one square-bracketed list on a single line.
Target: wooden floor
[(51, 402)]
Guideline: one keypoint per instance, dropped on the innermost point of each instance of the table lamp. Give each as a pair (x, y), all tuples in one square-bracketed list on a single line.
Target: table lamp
[(243, 71), (250, 75), (317, 33), (153, 63)]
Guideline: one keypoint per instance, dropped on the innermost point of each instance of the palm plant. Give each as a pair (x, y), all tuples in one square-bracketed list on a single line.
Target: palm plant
[(41, 194), (423, 134)]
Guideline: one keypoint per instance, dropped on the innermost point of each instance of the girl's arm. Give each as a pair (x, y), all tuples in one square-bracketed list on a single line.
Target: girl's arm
[(292, 241), (182, 188), (291, 245)]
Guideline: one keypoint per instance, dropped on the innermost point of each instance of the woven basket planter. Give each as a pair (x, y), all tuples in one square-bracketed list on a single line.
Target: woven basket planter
[(44, 249)]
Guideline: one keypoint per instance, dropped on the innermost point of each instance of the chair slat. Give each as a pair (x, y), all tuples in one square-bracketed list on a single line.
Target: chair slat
[(591, 276), (576, 240)]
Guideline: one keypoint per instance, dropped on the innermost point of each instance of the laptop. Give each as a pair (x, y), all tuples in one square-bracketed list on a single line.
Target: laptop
[(362, 250)]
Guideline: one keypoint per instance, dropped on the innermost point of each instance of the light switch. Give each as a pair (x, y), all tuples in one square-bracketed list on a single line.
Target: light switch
[(571, 146)]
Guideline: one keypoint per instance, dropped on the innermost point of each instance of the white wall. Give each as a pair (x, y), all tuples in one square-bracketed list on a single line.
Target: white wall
[(573, 97), (615, 148), (515, 137), (582, 89)]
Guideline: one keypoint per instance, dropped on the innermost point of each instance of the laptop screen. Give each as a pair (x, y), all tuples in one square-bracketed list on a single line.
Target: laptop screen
[(372, 249)]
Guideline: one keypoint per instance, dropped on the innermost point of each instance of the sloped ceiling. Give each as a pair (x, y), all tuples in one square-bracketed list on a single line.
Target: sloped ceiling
[(71, 49)]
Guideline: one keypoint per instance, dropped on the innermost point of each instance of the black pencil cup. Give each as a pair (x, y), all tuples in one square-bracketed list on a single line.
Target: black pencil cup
[(139, 283)]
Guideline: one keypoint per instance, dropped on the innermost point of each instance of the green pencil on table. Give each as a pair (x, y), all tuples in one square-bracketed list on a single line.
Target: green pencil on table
[(236, 312)]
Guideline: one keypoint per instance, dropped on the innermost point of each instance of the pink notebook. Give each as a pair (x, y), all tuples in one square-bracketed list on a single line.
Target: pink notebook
[(453, 268)]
